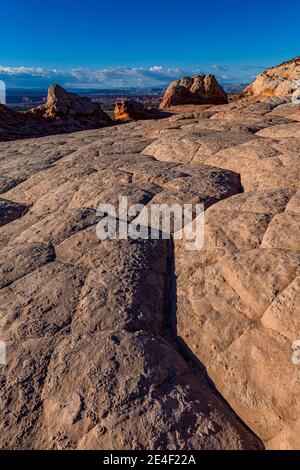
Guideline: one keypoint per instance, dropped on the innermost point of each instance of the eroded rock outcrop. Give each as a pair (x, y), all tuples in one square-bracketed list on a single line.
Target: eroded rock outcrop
[(127, 110), (64, 105), (131, 110), (201, 89), (62, 113), (282, 81)]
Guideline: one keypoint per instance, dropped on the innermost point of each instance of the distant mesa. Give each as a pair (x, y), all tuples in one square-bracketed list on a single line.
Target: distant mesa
[(281, 81), (201, 89)]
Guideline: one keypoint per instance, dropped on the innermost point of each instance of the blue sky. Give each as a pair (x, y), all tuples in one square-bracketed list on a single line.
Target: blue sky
[(137, 43)]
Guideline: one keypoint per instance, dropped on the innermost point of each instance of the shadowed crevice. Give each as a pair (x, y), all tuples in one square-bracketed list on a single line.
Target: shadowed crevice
[(10, 211)]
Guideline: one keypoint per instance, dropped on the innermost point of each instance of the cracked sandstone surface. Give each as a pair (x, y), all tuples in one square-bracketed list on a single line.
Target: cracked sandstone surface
[(95, 329)]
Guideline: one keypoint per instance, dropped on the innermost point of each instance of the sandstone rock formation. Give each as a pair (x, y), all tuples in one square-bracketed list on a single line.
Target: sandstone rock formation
[(123, 344), (201, 89), (282, 81), (64, 105), (63, 113), (127, 110), (131, 110)]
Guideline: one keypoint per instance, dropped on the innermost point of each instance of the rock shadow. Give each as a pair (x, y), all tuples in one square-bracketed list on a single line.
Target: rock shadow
[(182, 347)]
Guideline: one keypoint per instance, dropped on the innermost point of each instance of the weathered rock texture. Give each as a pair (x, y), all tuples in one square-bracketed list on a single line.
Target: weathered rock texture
[(279, 81), (238, 299), (63, 112), (201, 89), (120, 344)]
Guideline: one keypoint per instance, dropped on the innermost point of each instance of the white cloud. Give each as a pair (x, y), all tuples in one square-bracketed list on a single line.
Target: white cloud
[(156, 68), (31, 71), (79, 77), (219, 68), (111, 77)]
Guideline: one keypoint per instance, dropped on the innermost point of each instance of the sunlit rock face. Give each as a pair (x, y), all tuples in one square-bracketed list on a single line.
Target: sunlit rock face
[(282, 81), (131, 110), (201, 89)]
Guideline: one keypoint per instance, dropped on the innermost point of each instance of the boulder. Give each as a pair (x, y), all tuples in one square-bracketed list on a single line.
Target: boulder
[(16, 125), (282, 81), (201, 89), (130, 110)]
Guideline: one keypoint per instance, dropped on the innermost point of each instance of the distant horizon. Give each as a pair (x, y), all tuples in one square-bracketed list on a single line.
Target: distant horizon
[(120, 77), (107, 89), (24, 97)]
